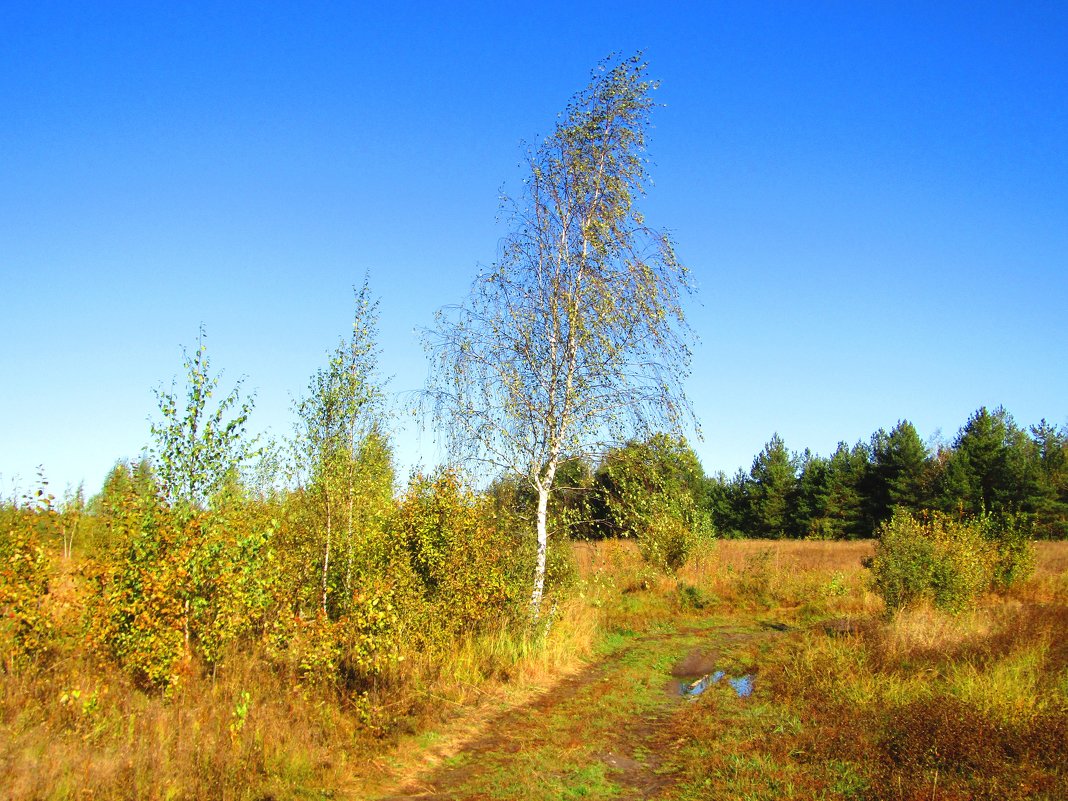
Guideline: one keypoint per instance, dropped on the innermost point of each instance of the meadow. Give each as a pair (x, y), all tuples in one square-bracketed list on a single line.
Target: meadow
[(845, 702), (564, 609)]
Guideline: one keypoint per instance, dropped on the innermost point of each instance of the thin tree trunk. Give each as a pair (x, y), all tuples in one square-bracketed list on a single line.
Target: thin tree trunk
[(544, 486), (326, 555), (351, 548), (543, 550), (68, 541)]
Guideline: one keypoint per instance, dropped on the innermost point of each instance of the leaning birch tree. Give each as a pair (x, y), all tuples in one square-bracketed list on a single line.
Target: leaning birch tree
[(576, 338)]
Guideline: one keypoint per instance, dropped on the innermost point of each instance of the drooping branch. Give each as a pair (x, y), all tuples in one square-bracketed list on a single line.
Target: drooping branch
[(576, 338)]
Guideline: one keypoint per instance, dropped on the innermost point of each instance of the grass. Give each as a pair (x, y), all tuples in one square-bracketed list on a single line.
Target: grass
[(847, 704), (592, 737), (928, 705), (98, 737)]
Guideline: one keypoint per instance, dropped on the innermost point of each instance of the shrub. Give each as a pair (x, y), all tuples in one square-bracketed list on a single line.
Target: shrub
[(136, 612), (665, 541), (180, 585), (649, 490), (349, 653), (1014, 558), (963, 567), (945, 561), (903, 563), (462, 566), (25, 627)]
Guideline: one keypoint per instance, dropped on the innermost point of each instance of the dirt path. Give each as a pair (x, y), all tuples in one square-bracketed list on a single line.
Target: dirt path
[(601, 733)]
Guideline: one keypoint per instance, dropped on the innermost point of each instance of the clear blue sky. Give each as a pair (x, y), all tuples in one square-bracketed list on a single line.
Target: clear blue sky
[(873, 198)]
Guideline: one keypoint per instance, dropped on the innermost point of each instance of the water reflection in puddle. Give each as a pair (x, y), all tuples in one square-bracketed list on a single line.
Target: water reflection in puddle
[(742, 685)]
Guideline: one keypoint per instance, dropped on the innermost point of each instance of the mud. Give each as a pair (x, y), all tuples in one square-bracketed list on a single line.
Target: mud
[(696, 663)]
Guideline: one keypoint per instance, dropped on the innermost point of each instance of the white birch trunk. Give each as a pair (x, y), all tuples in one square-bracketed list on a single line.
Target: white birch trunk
[(326, 556), (543, 550), (544, 485), (351, 548)]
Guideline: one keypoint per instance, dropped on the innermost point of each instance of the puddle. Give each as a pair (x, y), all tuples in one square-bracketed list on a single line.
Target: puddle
[(742, 685), (699, 670)]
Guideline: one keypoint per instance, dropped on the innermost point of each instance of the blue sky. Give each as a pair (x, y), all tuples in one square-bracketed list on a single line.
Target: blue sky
[(872, 197)]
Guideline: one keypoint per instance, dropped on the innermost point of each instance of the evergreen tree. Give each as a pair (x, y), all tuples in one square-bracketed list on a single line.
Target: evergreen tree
[(726, 500), (899, 461), (1051, 450), (994, 467), (846, 511), (774, 485), (813, 499)]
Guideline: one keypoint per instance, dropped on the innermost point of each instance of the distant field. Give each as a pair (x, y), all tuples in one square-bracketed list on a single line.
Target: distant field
[(1052, 558)]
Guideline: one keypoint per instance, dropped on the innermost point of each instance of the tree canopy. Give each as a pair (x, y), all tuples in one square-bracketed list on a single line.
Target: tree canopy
[(576, 337)]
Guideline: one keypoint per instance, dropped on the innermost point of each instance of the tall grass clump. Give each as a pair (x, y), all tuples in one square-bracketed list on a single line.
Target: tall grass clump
[(947, 562)]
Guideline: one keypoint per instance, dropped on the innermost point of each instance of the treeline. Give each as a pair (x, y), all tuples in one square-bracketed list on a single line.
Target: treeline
[(992, 467), (316, 561), (306, 551)]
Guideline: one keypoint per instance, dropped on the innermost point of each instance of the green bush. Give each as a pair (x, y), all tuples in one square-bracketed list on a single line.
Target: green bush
[(461, 567), (1014, 558), (963, 568), (26, 629), (665, 541), (946, 561), (649, 490), (138, 612), (349, 653), (903, 565), (179, 585)]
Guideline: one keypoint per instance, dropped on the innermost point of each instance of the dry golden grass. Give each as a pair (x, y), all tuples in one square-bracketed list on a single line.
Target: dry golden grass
[(78, 729), (1051, 558), (923, 629), (82, 731), (787, 555), (935, 705), (798, 555), (605, 556)]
